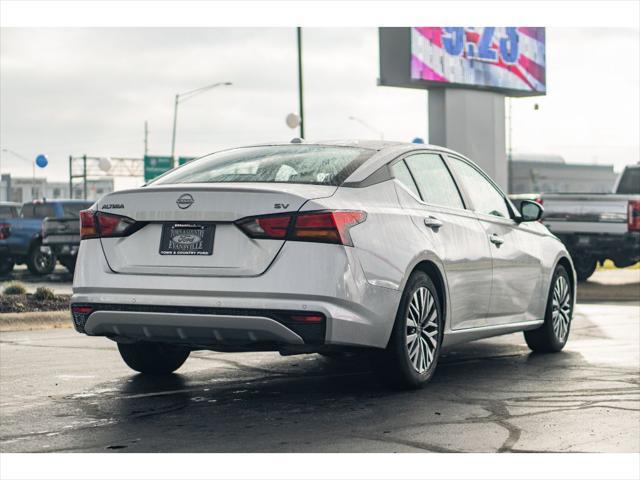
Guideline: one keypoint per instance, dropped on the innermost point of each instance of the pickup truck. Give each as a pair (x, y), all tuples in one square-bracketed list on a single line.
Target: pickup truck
[(596, 227), (62, 236), (21, 235)]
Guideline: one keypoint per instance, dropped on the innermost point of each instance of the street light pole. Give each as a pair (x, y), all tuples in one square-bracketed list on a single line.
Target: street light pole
[(180, 97), (175, 124), (367, 126), (33, 169)]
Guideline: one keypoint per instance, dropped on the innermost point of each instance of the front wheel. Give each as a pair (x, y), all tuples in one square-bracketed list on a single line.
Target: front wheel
[(552, 335), (410, 359), (153, 358)]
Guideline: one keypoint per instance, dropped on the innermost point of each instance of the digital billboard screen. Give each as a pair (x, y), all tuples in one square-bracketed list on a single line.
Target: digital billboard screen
[(510, 59)]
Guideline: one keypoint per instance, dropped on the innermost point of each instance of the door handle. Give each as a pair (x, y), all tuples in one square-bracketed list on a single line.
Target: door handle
[(433, 223), (495, 239)]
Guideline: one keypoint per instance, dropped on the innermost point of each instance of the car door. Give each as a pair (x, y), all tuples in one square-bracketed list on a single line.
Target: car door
[(517, 270), (438, 210)]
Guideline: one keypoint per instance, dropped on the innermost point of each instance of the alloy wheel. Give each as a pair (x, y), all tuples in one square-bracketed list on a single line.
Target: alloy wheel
[(561, 308), (422, 329)]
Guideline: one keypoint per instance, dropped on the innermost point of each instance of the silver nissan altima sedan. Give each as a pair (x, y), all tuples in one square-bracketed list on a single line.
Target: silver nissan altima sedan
[(394, 250)]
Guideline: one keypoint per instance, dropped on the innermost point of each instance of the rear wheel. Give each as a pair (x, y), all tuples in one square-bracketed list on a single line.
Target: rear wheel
[(411, 356), (69, 263), (39, 262), (585, 266), (153, 358), (552, 335), (6, 266)]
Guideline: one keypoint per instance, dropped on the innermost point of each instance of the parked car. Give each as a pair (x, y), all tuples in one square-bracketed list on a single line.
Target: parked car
[(596, 227), (8, 211), (21, 238), (397, 250)]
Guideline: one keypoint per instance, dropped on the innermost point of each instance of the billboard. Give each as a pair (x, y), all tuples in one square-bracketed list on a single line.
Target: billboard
[(510, 60)]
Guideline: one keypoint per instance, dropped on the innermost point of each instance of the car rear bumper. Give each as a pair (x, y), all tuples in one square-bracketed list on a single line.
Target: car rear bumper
[(624, 248), (199, 327), (326, 279)]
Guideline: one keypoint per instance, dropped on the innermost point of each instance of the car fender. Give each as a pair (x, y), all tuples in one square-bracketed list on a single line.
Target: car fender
[(432, 258)]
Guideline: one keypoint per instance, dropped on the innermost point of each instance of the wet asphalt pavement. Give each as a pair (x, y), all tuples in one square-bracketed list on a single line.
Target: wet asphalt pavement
[(61, 391)]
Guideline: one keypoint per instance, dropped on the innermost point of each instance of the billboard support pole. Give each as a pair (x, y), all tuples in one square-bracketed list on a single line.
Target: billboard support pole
[(471, 122)]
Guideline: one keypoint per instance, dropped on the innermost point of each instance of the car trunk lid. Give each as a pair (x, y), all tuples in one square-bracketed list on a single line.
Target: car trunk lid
[(182, 212)]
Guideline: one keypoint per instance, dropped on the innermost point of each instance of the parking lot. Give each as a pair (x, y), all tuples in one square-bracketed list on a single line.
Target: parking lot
[(62, 391)]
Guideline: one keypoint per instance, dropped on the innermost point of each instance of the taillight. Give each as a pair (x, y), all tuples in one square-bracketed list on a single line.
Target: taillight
[(633, 218), (325, 226), (101, 225), (88, 224), (273, 226), (5, 230), (329, 227)]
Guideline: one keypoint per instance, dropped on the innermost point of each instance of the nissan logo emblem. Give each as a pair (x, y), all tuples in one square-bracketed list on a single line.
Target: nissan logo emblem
[(185, 201)]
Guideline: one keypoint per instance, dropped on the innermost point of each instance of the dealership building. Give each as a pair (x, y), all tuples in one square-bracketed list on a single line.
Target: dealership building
[(25, 189)]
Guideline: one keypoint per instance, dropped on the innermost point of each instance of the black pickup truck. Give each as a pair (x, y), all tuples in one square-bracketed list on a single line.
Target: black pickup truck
[(596, 226)]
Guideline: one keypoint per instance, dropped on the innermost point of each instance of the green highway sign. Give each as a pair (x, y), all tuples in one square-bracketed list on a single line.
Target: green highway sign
[(155, 166), (183, 160)]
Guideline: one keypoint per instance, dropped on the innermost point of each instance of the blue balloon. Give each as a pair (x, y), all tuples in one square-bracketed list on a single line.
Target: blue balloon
[(42, 161), (417, 140)]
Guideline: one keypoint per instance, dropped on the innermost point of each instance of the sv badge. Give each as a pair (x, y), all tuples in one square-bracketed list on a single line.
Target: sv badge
[(282, 206)]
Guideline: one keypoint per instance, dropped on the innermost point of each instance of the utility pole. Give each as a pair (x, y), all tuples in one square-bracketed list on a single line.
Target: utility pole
[(84, 175), (300, 101), (70, 176), (146, 138)]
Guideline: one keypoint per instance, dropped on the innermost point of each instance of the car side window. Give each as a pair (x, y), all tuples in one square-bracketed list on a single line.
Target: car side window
[(434, 180), (485, 197), (401, 172)]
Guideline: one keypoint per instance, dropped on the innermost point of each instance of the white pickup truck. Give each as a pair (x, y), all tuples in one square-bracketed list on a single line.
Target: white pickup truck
[(596, 227)]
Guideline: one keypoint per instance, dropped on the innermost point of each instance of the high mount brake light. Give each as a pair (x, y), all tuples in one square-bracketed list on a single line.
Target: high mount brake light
[(331, 226), (103, 225)]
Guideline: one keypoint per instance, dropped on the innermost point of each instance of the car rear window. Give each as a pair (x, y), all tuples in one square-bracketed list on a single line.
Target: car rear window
[(73, 209), (312, 164), (630, 181), (38, 210), (7, 211)]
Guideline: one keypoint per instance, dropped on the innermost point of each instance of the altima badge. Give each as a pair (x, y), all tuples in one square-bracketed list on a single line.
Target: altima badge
[(185, 201)]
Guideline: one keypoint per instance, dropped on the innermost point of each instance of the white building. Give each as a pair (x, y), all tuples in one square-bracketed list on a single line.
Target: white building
[(24, 189)]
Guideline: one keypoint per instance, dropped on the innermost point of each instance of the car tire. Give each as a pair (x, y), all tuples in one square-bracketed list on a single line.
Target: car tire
[(39, 262), (404, 363), (552, 335), (6, 266), (153, 358), (69, 264), (585, 266)]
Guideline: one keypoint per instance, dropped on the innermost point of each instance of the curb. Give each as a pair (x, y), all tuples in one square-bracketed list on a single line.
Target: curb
[(13, 322)]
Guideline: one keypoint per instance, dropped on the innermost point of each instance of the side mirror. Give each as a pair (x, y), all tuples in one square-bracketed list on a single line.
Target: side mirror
[(530, 211)]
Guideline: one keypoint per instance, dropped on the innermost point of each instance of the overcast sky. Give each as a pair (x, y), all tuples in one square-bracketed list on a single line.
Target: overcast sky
[(75, 91)]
